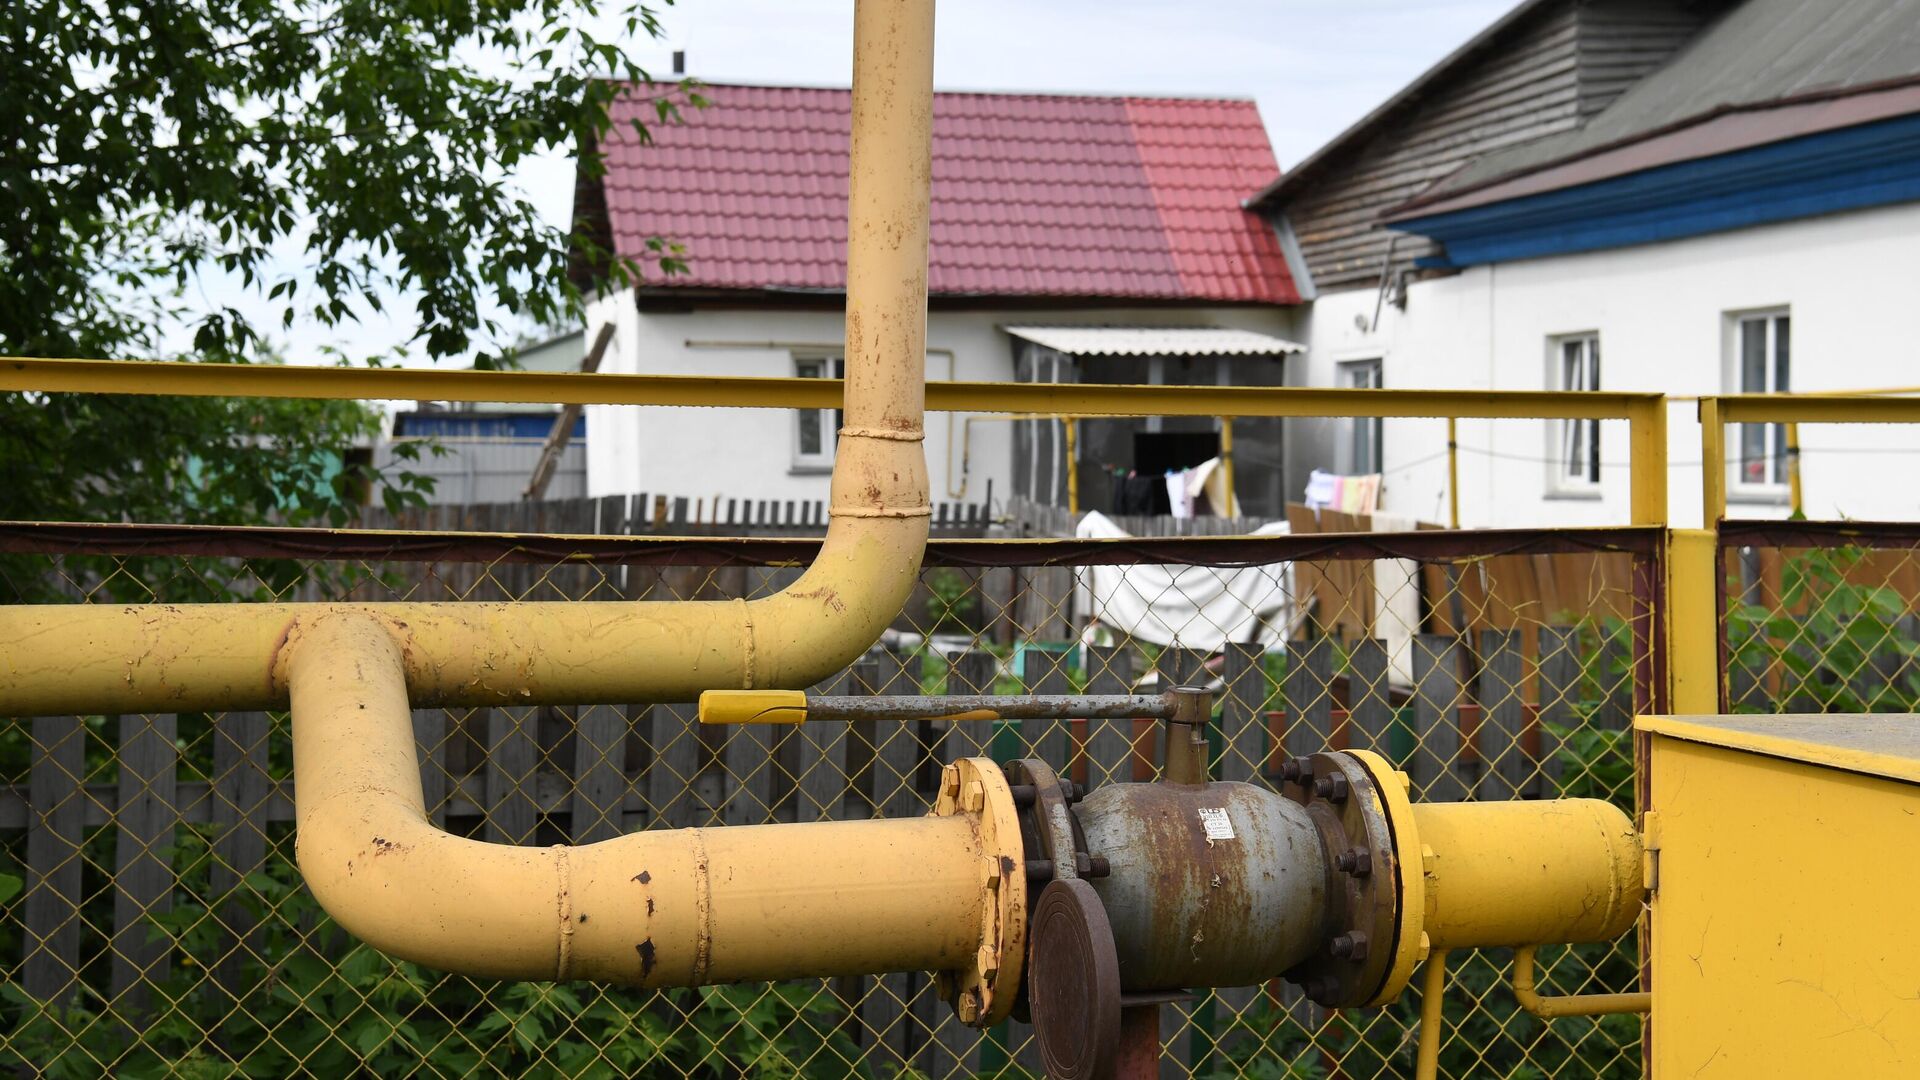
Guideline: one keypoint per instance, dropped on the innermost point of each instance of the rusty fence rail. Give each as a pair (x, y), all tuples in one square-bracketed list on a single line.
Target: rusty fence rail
[(159, 927)]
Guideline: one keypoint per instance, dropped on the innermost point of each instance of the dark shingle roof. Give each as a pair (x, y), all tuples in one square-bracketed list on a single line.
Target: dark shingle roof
[(1759, 53)]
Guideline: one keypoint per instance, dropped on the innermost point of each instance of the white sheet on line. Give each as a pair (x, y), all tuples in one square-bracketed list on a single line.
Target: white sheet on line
[(1193, 607)]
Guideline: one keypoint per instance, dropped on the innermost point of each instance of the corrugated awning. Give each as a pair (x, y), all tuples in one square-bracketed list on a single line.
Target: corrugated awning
[(1155, 341)]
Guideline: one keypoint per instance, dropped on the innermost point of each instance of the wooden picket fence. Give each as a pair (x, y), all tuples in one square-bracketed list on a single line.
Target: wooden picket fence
[(1472, 726)]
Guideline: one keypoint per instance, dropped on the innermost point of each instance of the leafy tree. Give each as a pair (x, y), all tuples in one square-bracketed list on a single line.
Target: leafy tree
[(365, 142)]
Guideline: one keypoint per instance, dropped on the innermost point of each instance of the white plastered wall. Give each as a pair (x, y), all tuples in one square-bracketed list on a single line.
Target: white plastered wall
[(748, 453), (1850, 281)]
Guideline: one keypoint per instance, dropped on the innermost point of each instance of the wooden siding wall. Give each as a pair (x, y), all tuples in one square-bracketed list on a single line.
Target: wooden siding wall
[(1624, 41), (1558, 67)]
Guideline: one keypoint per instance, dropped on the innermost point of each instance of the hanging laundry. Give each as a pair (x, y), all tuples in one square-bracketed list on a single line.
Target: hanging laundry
[(1207, 487), (1179, 499), (1133, 494), (1323, 490), (1347, 494)]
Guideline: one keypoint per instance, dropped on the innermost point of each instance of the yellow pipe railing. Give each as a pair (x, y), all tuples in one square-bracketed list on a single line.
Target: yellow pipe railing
[(1787, 409)]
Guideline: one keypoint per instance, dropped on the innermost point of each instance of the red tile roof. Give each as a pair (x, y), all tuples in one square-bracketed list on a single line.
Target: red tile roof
[(1033, 195)]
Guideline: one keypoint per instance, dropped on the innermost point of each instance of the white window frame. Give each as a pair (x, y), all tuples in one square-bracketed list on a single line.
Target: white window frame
[(823, 423), (1757, 467), (1573, 447), (1366, 435)]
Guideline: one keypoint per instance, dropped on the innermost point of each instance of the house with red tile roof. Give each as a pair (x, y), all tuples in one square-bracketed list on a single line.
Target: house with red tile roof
[(1075, 238)]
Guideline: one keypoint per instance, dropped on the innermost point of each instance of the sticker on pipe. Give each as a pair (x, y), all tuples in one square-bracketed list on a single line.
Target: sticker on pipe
[(1216, 823)]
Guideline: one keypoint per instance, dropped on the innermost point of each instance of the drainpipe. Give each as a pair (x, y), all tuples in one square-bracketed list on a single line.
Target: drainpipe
[(75, 658)]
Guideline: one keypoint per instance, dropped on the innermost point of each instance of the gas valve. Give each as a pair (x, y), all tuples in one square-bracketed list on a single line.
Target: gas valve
[(1141, 893)]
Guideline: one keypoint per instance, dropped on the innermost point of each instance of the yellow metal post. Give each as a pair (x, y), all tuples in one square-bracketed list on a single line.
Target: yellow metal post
[(1693, 622), (1713, 463), (1073, 464), (1226, 468), (1647, 431), (1795, 498), (1453, 472)]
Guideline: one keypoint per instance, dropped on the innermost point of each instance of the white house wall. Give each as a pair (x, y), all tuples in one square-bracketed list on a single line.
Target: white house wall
[(747, 453), (1849, 282)]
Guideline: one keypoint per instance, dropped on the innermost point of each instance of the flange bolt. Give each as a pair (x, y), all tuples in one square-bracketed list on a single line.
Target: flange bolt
[(1355, 861), (1332, 787), (1352, 946)]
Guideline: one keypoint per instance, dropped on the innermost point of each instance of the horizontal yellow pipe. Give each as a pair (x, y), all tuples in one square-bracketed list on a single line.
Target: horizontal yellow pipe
[(1522, 872), (1576, 1005), (1084, 400), (93, 658), (670, 908)]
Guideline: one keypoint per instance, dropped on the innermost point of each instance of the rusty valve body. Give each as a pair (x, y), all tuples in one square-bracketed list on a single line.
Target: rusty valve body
[(1217, 884)]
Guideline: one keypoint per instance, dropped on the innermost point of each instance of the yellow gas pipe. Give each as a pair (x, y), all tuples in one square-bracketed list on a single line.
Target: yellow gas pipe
[(111, 658), (666, 908), (680, 907)]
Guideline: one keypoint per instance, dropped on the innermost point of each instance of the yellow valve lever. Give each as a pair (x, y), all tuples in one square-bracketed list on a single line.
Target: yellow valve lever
[(753, 707)]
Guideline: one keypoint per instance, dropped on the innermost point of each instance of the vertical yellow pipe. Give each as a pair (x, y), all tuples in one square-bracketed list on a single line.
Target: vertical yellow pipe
[(1794, 497), (1073, 464), (1693, 622), (1647, 432), (1453, 472), (1713, 464), (1226, 469), (1432, 1021)]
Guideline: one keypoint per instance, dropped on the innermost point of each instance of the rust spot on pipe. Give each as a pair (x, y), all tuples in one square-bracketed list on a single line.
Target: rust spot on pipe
[(827, 595), (649, 906), (643, 877), (382, 845), (647, 957)]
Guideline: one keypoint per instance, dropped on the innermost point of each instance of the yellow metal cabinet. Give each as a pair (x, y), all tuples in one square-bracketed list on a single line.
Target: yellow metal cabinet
[(1787, 870)]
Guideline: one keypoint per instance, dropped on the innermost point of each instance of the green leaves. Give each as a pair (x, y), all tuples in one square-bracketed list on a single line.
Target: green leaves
[(327, 154), (1839, 638), (313, 1002)]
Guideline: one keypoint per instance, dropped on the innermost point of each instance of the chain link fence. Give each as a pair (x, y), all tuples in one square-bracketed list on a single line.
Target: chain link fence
[(1820, 617), (155, 925)]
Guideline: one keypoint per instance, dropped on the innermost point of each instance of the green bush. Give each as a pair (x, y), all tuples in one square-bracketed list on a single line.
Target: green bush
[(312, 1001), (1833, 645)]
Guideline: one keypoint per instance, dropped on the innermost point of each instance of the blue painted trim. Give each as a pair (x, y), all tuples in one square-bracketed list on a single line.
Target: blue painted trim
[(1868, 165), (481, 425)]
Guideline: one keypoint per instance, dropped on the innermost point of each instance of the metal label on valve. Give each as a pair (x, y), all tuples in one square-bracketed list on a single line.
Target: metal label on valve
[(1217, 824)]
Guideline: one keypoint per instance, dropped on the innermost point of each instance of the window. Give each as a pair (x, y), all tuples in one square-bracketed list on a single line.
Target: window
[(816, 430), (1363, 455), (1762, 364), (1575, 365)]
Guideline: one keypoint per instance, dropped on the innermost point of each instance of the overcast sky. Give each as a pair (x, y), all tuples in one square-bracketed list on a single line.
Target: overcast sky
[(1314, 66)]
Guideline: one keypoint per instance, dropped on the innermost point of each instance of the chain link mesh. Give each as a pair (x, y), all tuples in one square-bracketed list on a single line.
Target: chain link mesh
[(157, 926), (1821, 618)]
